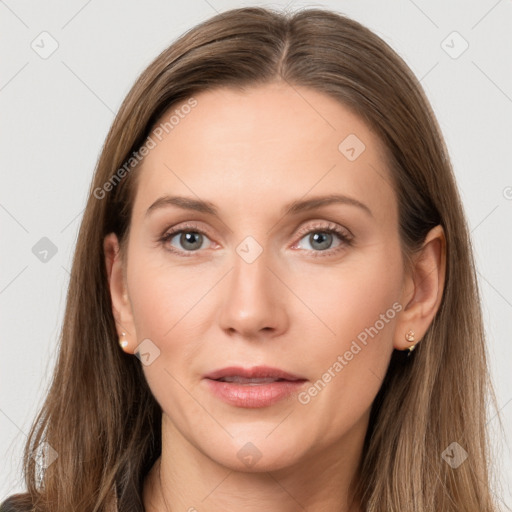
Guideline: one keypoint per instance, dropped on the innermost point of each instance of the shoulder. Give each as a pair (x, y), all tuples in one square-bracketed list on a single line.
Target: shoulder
[(15, 503)]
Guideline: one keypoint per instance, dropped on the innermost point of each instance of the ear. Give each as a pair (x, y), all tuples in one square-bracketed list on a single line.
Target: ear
[(121, 306), (423, 289)]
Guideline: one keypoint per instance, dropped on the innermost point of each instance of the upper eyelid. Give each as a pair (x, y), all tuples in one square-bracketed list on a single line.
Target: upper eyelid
[(325, 226), (186, 227), (319, 224)]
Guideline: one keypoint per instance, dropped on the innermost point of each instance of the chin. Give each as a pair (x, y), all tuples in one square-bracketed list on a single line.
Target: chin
[(257, 453)]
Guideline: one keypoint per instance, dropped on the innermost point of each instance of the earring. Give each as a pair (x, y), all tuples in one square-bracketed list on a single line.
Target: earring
[(409, 336), (122, 342)]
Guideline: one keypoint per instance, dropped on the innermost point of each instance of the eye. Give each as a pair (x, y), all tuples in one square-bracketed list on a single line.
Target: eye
[(189, 238), (321, 236), (185, 240)]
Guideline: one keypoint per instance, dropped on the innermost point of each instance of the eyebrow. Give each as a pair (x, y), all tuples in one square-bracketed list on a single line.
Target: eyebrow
[(198, 205)]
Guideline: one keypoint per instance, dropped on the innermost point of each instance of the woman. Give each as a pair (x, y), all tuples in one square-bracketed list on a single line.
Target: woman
[(254, 369)]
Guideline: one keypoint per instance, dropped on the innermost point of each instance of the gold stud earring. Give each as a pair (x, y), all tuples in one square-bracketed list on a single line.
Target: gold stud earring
[(409, 336), (122, 342)]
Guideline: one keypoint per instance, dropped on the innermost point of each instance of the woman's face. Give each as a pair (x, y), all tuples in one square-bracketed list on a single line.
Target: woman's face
[(277, 277)]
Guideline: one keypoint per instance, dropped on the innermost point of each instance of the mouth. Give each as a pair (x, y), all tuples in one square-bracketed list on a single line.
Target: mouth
[(254, 375), (244, 380), (253, 387)]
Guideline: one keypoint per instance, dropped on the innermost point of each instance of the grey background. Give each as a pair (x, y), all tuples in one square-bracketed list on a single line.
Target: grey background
[(56, 111)]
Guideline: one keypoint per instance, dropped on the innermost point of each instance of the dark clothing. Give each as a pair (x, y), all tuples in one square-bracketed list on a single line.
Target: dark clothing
[(8, 505)]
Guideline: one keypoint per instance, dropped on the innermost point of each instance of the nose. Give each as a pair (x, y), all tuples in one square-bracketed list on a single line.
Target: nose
[(254, 303)]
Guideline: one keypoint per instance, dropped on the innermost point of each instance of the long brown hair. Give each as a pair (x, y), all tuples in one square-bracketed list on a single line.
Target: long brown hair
[(100, 416)]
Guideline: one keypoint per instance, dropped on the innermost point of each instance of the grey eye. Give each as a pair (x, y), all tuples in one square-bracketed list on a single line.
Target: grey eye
[(189, 240)]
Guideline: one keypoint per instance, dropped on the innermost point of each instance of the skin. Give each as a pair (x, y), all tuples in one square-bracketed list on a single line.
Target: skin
[(250, 153)]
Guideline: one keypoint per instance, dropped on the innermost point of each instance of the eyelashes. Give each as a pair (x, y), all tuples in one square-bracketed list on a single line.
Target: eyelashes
[(332, 231), (343, 235), (169, 235)]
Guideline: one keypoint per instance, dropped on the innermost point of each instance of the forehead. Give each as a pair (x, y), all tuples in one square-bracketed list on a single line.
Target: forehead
[(272, 142)]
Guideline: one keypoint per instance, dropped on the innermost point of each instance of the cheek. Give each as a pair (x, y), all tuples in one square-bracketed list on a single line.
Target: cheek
[(359, 305), (164, 296), (166, 303), (172, 305), (349, 298)]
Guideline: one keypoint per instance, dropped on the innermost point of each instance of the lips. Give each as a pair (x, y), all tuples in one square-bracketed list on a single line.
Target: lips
[(245, 380), (254, 375), (259, 386)]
